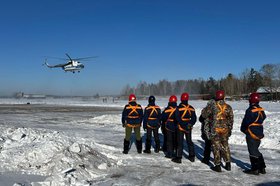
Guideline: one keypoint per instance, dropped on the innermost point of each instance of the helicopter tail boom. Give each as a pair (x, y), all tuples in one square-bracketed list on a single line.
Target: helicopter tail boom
[(53, 66), (47, 64)]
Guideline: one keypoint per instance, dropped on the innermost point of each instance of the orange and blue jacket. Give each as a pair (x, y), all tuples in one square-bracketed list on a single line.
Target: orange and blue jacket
[(132, 115), (152, 116), (252, 124), (186, 117), (168, 118)]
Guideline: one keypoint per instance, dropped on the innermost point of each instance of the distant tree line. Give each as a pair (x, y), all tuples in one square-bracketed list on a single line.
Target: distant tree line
[(248, 81)]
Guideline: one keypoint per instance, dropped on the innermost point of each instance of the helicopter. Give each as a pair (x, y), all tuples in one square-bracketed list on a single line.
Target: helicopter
[(73, 65)]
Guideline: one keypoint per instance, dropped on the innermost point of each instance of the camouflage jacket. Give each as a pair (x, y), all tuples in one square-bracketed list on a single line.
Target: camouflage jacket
[(217, 114)]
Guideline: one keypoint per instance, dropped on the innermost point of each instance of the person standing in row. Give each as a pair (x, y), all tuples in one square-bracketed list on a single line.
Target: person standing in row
[(252, 126), (169, 123), (220, 130), (132, 117), (186, 117), (151, 124)]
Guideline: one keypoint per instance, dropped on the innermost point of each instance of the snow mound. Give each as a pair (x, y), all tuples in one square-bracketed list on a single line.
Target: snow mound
[(105, 119), (53, 154)]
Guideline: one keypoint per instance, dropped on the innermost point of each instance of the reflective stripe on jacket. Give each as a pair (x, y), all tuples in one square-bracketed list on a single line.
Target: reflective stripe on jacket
[(152, 116), (186, 117), (252, 124), (168, 117), (132, 115)]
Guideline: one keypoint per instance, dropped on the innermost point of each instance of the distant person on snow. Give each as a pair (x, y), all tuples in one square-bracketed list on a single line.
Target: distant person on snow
[(151, 124), (132, 116), (186, 118), (252, 126), (169, 125)]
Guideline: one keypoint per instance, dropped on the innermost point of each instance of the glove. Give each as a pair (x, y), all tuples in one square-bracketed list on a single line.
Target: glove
[(189, 127), (124, 125), (145, 126), (201, 119), (229, 133), (203, 136)]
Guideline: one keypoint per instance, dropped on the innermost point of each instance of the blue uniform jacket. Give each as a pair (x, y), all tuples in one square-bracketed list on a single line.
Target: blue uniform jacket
[(254, 114), (152, 116), (185, 115), (132, 114), (168, 117)]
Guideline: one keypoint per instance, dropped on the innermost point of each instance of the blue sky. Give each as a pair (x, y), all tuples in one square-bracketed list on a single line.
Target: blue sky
[(145, 40)]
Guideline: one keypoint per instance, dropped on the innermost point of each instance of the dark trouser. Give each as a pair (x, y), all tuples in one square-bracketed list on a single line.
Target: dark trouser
[(220, 149), (149, 138), (171, 142), (253, 146), (207, 150), (163, 131), (180, 143), (256, 158)]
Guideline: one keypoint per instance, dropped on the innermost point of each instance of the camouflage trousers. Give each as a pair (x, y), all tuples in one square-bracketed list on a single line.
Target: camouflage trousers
[(220, 149)]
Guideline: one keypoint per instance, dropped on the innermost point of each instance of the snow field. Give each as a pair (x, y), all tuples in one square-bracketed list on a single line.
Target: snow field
[(87, 150)]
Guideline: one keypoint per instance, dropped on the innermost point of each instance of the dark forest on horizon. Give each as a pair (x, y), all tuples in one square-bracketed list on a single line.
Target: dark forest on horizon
[(250, 80)]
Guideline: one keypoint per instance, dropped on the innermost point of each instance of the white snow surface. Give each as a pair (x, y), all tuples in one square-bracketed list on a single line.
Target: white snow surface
[(85, 148)]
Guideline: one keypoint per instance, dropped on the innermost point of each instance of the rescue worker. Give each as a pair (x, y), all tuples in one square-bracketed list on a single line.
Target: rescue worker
[(168, 121), (220, 130), (206, 121), (186, 117), (252, 126), (151, 123), (132, 116)]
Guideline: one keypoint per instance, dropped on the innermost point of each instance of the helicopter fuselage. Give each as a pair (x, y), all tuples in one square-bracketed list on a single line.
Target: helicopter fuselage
[(74, 66)]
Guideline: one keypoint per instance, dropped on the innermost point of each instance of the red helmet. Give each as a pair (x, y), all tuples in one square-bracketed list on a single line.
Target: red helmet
[(254, 98), (173, 99), (185, 97), (220, 95), (132, 97)]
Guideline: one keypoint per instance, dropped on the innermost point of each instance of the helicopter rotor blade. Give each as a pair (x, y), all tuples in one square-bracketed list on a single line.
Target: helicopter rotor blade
[(59, 58), (85, 58), (69, 57)]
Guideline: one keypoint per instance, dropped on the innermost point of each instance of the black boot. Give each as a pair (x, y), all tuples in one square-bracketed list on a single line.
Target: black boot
[(139, 146), (262, 165), (168, 155), (205, 160), (163, 148), (252, 171), (191, 158), (177, 160), (126, 146), (228, 166), (254, 166), (217, 168), (157, 147), (148, 147), (164, 145)]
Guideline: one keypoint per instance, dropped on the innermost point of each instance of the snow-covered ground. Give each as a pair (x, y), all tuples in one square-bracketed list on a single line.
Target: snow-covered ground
[(56, 142)]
